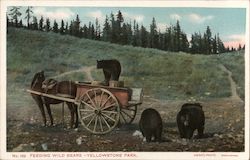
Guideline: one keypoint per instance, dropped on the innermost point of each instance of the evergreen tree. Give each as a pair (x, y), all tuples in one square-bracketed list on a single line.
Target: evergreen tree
[(177, 37), (129, 33), (143, 36), (76, 27), (98, 30), (47, 26), (62, 29), (66, 28), (221, 47), (113, 37), (208, 41), (184, 44), (85, 31), (55, 27), (20, 23), (239, 48), (15, 14), (29, 13), (153, 35), (106, 30), (118, 25), (215, 47), (34, 23), (41, 27)]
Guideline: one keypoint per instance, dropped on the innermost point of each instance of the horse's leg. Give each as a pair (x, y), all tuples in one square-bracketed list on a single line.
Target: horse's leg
[(40, 105), (71, 108), (49, 112), (76, 122)]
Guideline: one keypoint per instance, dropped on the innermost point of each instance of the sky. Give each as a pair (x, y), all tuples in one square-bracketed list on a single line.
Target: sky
[(230, 23)]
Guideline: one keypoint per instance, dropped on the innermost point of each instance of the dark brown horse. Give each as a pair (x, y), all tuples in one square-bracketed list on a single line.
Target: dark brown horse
[(67, 88)]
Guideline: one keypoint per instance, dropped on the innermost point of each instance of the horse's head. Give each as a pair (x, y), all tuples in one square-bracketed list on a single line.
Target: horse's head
[(38, 79)]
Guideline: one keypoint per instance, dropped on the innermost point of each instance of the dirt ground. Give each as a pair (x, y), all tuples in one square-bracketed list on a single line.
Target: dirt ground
[(224, 130)]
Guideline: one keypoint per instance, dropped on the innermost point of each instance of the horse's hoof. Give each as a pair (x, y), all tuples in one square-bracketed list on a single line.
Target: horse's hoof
[(76, 129)]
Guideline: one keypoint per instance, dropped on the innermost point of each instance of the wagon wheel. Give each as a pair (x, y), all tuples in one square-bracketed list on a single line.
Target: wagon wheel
[(127, 114), (99, 111)]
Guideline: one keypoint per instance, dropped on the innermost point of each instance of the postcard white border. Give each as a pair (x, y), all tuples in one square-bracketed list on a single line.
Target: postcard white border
[(138, 3)]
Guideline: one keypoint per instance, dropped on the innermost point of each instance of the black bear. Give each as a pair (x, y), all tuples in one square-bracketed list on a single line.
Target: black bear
[(151, 125), (190, 118), (111, 69)]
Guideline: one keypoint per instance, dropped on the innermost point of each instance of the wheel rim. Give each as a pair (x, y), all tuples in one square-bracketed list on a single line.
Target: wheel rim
[(99, 111), (127, 115)]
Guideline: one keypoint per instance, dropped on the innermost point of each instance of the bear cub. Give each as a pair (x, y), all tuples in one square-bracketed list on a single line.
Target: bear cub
[(111, 69), (190, 118), (151, 125)]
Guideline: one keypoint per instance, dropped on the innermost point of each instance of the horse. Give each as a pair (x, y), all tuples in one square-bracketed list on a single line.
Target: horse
[(67, 88)]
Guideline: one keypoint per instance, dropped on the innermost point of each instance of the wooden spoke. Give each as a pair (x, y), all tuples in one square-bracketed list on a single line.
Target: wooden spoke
[(100, 121), (113, 104), (124, 118), (126, 114), (108, 117), (88, 105), (86, 110), (96, 119), (95, 98), (100, 102), (91, 120), (87, 116), (112, 112), (105, 102), (105, 122), (91, 100)]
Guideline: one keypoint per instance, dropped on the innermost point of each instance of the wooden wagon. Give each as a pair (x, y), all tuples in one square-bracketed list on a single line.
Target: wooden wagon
[(101, 108)]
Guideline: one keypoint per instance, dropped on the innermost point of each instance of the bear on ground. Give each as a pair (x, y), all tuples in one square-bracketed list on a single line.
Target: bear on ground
[(190, 118), (151, 125), (111, 69)]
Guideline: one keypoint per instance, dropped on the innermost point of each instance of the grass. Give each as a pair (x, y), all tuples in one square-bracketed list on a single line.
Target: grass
[(163, 75)]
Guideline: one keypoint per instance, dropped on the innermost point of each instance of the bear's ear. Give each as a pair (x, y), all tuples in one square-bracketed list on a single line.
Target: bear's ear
[(42, 72)]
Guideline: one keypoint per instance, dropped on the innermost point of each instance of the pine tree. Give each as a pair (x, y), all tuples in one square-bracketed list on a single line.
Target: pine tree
[(76, 27), (178, 36), (143, 36), (221, 47), (47, 26), (85, 31), (34, 23), (41, 27), (208, 41), (29, 13), (153, 35), (55, 27), (113, 35), (15, 14), (239, 48), (118, 25), (66, 28), (215, 47), (20, 23), (106, 30), (98, 30), (62, 29)]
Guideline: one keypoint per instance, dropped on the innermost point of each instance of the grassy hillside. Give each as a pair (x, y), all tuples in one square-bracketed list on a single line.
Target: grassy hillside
[(163, 75)]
